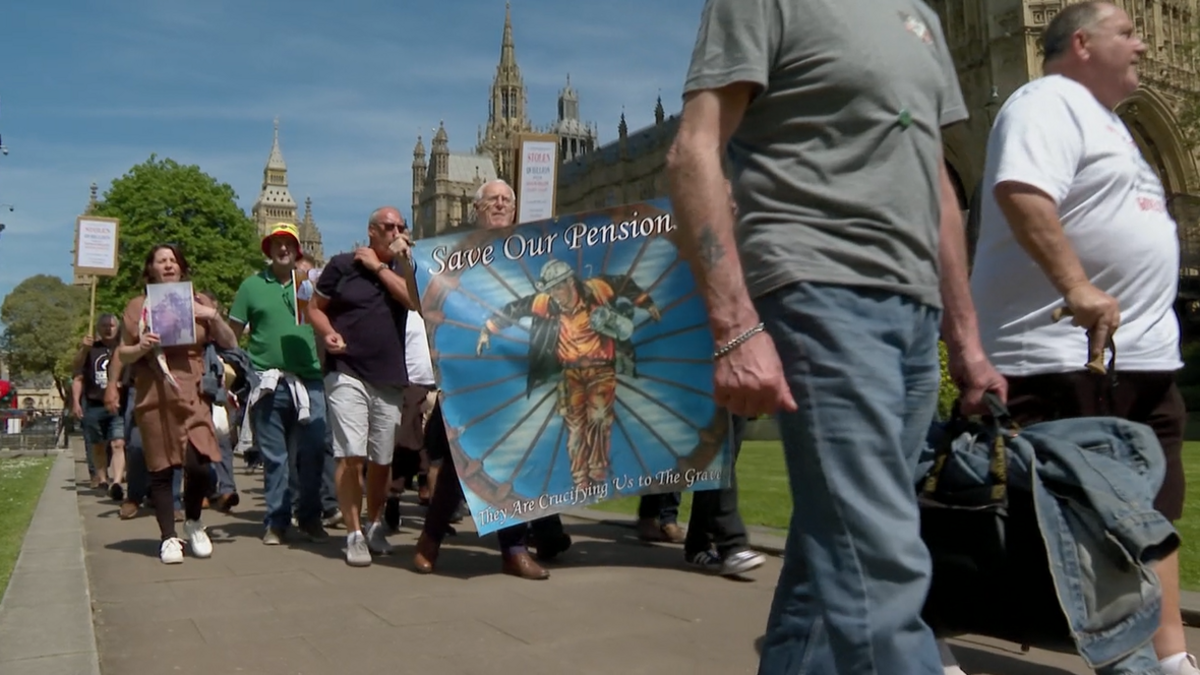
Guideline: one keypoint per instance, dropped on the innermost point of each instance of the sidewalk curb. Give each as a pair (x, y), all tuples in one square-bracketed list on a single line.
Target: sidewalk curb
[(768, 542), (761, 539), (1189, 605)]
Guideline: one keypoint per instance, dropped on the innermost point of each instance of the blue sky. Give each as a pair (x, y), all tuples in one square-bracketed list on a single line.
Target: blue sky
[(89, 89)]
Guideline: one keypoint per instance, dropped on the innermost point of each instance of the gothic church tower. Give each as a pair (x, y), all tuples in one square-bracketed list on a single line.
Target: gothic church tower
[(275, 204), (507, 107)]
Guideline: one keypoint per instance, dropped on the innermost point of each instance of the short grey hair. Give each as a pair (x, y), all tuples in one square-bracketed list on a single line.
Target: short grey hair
[(479, 193), (1056, 39)]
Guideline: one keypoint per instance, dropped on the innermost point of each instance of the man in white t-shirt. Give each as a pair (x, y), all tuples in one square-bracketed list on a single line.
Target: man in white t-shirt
[(1073, 216), (419, 397)]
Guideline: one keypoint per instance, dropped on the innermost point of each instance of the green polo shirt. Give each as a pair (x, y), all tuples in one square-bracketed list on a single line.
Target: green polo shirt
[(269, 308)]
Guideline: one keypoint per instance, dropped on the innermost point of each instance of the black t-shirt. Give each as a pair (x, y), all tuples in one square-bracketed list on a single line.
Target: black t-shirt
[(95, 373), (369, 319)]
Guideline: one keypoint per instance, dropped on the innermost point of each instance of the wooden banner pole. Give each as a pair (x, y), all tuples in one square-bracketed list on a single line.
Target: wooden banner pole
[(92, 311)]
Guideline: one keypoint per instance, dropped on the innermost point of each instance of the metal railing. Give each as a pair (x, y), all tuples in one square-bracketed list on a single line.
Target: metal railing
[(27, 429)]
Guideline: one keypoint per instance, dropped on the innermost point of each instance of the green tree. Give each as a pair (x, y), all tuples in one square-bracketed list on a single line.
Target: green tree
[(164, 202), (44, 319)]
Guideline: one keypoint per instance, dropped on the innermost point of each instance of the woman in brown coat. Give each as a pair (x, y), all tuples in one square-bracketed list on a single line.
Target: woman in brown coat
[(173, 414)]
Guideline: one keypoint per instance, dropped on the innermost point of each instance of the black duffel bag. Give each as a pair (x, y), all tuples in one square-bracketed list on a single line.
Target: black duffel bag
[(991, 573)]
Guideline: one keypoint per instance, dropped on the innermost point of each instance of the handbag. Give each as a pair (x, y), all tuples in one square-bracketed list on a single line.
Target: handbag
[(991, 573)]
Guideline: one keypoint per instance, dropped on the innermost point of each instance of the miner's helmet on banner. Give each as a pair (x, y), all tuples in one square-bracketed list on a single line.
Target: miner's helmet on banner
[(554, 273)]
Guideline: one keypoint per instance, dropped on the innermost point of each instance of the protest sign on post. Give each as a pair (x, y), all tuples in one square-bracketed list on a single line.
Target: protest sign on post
[(575, 362), (95, 253), (537, 176)]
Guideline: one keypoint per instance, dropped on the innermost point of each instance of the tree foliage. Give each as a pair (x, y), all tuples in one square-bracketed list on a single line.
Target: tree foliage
[(164, 202), (44, 318)]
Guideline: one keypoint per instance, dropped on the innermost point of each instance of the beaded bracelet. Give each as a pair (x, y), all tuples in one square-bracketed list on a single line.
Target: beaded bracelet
[(737, 341)]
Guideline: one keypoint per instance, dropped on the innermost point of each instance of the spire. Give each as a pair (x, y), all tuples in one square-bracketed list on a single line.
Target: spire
[(308, 210), (507, 105), (275, 161), (419, 150), (508, 50), (440, 139), (659, 113), (92, 201), (623, 128)]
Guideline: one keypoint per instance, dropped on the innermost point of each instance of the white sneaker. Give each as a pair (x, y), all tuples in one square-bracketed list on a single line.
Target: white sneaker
[(171, 551), (377, 539), (358, 553), (201, 545), (741, 562), (1185, 667)]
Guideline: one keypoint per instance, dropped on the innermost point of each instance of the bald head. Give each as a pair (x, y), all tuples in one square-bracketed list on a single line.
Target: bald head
[(384, 213), (1070, 20), (1095, 44), (383, 227)]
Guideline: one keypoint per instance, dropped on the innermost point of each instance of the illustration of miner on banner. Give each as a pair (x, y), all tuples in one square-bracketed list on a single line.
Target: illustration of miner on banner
[(580, 331)]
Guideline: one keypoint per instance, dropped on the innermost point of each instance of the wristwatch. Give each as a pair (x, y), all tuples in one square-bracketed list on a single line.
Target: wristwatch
[(380, 268)]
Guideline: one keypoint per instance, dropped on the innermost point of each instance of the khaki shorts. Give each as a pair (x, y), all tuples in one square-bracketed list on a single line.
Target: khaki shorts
[(362, 417), (414, 415)]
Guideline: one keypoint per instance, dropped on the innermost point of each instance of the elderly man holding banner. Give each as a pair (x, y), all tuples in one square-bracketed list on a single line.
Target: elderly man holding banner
[(495, 207)]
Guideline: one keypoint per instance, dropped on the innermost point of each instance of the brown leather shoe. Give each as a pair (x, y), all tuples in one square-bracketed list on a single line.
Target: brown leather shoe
[(426, 554), (226, 502), (673, 533), (129, 509), (522, 565), (648, 529)]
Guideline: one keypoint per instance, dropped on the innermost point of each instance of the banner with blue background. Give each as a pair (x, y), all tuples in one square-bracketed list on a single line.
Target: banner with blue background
[(575, 363)]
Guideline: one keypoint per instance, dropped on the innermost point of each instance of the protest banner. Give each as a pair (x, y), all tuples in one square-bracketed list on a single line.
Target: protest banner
[(537, 176), (575, 362), (96, 254)]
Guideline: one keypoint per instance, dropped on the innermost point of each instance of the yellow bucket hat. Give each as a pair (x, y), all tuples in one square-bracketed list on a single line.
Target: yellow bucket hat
[(285, 229)]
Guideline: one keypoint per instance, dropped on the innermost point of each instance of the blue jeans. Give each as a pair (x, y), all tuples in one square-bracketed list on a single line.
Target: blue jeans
[(222, 472), (329, 500), (276, 429), (863, 368)]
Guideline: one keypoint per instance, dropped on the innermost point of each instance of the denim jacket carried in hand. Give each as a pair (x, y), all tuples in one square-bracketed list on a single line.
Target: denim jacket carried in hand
[(1093, 482)]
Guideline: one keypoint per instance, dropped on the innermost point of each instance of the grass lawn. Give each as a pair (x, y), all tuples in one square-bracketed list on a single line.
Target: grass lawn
[(763, 495), (765, 501), (21, 483), (1189, 526)]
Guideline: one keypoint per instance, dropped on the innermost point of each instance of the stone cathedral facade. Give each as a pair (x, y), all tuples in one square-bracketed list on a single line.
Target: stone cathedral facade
[(444, 182)]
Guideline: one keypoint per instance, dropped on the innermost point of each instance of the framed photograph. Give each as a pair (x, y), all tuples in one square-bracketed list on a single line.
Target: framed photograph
[(172, 313)]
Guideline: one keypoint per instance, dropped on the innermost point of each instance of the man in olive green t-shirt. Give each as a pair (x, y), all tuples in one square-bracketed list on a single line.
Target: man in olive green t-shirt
[(291, 412)]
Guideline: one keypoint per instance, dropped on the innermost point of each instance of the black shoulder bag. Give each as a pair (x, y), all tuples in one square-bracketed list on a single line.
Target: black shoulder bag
[(991, 573)]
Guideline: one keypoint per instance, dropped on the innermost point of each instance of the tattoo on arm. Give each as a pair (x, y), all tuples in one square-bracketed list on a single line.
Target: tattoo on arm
[(710, 248)]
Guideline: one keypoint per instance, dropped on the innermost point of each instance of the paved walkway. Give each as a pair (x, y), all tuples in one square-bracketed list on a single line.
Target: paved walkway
[(612, 605)]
